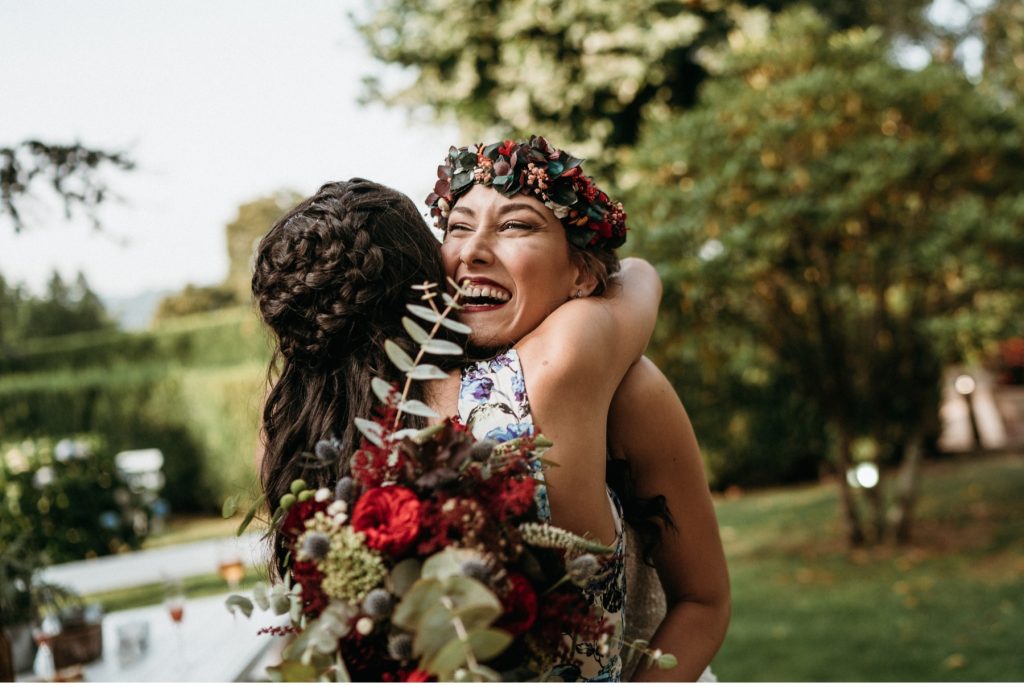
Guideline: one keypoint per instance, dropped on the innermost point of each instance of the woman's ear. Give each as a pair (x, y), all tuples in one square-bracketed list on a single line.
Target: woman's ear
[(585, 281)]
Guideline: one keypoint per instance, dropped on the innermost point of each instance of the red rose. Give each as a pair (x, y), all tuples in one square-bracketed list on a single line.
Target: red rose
[(520, 605), (389, 517), (417, 675)]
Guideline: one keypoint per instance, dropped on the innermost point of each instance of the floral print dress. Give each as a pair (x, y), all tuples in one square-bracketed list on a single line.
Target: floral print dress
[(494, 404)]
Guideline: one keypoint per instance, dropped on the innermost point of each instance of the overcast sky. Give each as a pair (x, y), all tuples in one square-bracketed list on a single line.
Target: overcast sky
[(218, 102)]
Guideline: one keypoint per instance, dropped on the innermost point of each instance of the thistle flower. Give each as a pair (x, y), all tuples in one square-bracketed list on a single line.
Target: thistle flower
[(313, 546), (326, 451), (583, 568), (477, 569), (483, 449), (343, 489), (400, 647), (378, 604)]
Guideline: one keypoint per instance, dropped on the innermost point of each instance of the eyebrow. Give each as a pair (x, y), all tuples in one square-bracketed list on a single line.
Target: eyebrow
[(510, 207)]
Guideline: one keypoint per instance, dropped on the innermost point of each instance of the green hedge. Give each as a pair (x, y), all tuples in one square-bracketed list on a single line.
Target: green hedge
[(225, 337), (205, 420)]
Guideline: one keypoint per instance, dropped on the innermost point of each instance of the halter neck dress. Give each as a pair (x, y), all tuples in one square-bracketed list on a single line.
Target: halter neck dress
[(493, 403)]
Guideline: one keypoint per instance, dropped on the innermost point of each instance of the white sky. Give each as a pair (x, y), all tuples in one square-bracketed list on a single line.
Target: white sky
[(218, 103)]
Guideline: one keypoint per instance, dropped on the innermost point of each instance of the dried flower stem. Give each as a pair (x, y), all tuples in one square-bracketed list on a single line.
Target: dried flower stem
[(428, 296)]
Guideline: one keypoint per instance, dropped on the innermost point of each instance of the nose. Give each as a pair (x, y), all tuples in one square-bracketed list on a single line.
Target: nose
[(476, 250)]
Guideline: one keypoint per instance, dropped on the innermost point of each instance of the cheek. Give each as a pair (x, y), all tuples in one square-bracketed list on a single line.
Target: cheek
[(450, 257)]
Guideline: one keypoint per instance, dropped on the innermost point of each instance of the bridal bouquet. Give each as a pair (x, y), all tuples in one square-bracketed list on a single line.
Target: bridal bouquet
[(429, 561)]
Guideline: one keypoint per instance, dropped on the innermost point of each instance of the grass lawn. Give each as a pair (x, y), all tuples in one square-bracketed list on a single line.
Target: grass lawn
[(948, 607)]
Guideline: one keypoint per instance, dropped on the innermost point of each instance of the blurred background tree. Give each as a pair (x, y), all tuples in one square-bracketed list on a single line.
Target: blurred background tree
[(243, 233), (858, 221), (832, 228), (588, 74), (73, 172), (63, 309)]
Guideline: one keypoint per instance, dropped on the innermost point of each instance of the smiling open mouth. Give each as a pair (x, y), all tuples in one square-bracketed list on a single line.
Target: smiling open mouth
[(488, 296)]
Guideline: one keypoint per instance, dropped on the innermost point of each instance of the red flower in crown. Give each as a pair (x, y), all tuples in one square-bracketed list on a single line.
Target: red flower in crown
[(389, 517), (507, 147)]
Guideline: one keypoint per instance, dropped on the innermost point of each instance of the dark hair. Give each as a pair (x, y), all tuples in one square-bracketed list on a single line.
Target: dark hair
[(331, 280)]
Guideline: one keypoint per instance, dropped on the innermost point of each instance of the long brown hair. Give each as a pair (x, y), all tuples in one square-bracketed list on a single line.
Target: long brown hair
[(331, 280)]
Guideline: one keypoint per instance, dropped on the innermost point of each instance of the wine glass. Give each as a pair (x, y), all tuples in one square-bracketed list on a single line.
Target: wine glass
[(229, 564), (174, 602)]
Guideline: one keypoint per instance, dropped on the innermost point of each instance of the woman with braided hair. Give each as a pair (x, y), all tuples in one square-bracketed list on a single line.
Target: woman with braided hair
[(331, 280)]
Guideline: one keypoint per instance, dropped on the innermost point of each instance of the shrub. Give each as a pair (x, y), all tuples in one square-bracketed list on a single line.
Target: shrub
[(67, 499)]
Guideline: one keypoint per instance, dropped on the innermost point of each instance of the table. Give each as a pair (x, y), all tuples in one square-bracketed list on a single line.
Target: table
[(217, 647)]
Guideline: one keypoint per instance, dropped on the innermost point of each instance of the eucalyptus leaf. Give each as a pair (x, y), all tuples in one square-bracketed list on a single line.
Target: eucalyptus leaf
[(414, 407), (237, 602), (422, 595), (450, 658), (489, 642), (424, 372), (249, 515), (279, 599), (404, 575), (418, 333), (667, 661), (292, 671), (434, 630), (381, 389), (398, 356), (456, 326), (423, 312), (441, 347), (230, 506), (447, 562), (371, 430), (261, 595)]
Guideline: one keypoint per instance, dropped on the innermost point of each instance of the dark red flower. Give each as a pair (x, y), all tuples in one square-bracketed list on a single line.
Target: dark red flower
[(417, 675), (507, 147), (294, 522), (313, 598), (389, 517), (520, 603)]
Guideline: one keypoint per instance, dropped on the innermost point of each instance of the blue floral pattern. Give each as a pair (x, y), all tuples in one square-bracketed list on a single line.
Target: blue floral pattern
[(494, 404)]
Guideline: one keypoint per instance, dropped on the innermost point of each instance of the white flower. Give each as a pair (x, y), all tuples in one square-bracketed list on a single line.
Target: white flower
[(322, 494), (364, 626), (337, 507)]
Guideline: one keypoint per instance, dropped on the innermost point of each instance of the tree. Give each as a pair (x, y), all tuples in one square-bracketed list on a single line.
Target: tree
[(243, 233), (855, 224), (588, 74), (72, 172), (254, 219), (64, 309)]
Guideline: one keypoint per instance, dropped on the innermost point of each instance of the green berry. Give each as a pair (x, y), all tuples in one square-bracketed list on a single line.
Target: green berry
[(287, 501), (305, 495), (298, 485)]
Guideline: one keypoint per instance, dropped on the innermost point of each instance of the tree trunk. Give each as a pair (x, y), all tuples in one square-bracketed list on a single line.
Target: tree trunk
[(851, 517), (907, 485), (876, 495)]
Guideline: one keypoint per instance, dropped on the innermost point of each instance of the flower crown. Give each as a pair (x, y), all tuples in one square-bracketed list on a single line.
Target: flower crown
[(534, 167)]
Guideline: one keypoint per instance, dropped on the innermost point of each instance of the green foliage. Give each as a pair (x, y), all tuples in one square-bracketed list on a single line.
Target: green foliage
[(586, 74), (205, 421), (243, 233), (851, 224), (195, 299), (67, 499), (64, 309), (225, 337)]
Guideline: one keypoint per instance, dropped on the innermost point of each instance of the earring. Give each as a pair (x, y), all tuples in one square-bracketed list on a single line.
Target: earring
[(579, 293)]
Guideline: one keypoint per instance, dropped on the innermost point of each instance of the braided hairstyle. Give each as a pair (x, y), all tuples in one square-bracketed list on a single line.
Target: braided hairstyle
[(331, 280)]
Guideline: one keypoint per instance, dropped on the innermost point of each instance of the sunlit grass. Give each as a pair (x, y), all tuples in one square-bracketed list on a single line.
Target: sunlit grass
[(948, 607)]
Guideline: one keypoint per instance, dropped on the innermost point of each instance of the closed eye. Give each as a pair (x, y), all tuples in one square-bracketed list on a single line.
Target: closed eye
[(517, 226)]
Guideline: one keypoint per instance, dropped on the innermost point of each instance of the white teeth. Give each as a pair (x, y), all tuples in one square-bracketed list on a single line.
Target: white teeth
[(495, 292)]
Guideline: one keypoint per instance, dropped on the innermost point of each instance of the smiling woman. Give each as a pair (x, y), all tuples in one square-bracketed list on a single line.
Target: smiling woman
[(530, 237)]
